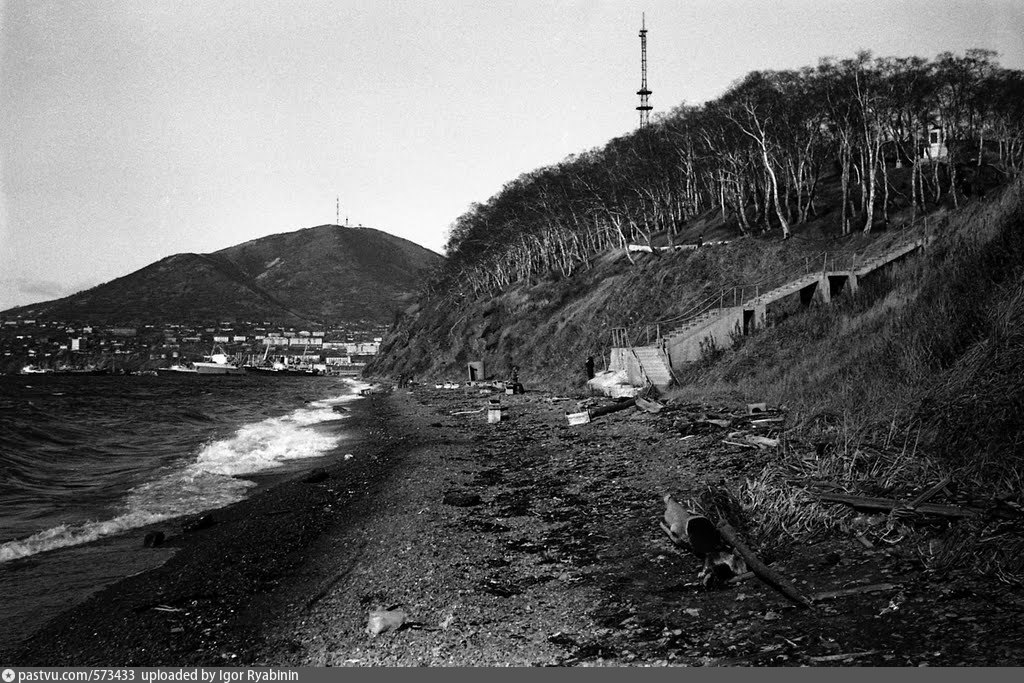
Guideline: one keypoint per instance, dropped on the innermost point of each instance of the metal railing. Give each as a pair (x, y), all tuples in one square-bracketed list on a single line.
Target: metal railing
[(702, 306)]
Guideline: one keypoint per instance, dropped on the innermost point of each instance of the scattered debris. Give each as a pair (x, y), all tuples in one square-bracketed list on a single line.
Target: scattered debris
[(167, 608), (888, 505), (841, 657), (756, 408), (580, 418), (863, 540), (924, 497), (384, 620), (856, 590), (494, 411), (613, 408), (741, 577), (649, 406), (763, 572), (762, 441), (699, 535)]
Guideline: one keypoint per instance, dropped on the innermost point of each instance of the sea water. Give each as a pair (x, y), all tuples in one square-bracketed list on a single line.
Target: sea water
[(86, 459)]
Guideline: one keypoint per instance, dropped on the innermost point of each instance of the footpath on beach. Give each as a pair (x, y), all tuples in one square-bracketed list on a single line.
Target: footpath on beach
[(449, 539)]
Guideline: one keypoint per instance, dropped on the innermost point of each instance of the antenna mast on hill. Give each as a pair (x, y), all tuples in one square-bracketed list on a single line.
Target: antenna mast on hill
[(337, 210), (643, 92)]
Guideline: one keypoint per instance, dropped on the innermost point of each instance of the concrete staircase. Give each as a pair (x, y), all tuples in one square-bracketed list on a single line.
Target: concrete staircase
[(651, 363), (693, 324), (876, 262), (791, 287)]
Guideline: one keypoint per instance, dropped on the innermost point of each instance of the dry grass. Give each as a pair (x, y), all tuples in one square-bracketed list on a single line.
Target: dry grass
[(918, 377)]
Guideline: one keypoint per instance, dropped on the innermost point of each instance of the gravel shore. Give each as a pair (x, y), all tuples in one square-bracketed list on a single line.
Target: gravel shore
[(527, 542)]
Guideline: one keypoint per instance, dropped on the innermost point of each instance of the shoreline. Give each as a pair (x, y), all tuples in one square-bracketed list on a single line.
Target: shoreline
[(185, 556), (526, 543), (43, 584)]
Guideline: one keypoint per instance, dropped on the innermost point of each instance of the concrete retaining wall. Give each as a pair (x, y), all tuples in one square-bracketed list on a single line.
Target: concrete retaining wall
[(718, 331)]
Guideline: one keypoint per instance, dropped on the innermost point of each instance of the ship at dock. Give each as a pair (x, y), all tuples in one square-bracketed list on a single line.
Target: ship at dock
[(218, 364)]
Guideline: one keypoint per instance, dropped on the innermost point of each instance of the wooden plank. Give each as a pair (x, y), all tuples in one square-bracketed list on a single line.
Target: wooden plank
[(763, 572), (889, 504), (930, 493), (855, 590), (841, 657)]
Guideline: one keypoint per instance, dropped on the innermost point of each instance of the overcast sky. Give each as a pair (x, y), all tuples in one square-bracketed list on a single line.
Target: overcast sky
[(131, 130)]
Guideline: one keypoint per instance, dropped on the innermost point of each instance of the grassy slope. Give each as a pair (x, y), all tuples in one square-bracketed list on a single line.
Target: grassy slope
[(930, 351), (916, 377), (549, 326)]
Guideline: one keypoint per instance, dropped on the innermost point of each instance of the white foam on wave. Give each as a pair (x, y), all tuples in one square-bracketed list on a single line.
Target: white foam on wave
[(64, 535), (210, 480)]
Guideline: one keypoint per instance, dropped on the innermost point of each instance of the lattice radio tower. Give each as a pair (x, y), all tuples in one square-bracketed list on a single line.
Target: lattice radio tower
[(643, 92)]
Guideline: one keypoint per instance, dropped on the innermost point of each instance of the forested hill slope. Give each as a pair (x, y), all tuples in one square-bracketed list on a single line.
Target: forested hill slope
[(789, 167), (323, 274)]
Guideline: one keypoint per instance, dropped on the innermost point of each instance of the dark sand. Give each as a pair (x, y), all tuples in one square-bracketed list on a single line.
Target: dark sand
[(562, 562)]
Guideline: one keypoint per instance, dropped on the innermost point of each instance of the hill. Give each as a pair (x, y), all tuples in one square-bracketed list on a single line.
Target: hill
[(914, 379), (322, 274), (783, 170)]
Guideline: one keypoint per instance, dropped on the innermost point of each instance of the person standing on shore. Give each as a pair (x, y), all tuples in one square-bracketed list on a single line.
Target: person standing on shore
[(590, 368)]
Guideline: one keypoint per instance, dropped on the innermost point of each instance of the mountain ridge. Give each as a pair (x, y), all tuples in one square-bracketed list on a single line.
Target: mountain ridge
[(321, 274)]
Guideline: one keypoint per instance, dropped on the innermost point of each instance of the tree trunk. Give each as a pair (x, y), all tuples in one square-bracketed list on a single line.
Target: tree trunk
[(869, 205)]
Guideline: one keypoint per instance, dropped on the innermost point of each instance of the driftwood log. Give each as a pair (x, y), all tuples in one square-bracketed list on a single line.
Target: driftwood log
[(761, 570), (889, 504), (613, 408), (856, 590)]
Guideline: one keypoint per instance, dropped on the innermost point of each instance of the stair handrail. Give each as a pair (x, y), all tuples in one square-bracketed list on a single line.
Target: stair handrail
[(739, 295)]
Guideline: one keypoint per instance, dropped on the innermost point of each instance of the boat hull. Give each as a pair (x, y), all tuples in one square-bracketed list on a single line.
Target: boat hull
[(217, 369), (282, 373)]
